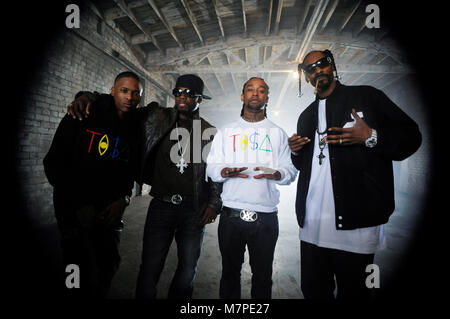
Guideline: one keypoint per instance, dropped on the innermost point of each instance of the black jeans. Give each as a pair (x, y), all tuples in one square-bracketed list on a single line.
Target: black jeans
[(166, 221), (96, 252), (320, 265), (261, 237)]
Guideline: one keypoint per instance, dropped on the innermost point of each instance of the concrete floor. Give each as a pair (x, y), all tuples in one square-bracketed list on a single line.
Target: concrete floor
[(286, 273)]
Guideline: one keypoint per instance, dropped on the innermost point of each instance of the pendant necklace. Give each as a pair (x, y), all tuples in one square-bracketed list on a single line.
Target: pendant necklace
[(181, 163), (322, 141)]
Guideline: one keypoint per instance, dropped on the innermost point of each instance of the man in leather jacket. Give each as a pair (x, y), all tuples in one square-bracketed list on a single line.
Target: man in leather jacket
[(184, 200)]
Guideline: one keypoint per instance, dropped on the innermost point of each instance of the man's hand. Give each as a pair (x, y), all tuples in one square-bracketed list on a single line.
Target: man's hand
[(80, 107), (209, 216), (357, 134), (296, 142), (267, 173), (233, 172), (113, 212)]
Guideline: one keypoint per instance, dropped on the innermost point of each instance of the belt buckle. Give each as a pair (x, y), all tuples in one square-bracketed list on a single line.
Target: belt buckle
[(176, 199), (248, 215)]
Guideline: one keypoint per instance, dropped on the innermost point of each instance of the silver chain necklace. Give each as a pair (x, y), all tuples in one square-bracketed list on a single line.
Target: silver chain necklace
[(322, 141), (181, 163)]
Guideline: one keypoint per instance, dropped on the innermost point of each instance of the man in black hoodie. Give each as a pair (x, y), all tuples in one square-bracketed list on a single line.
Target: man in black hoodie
[(172, 159), (90, 166)]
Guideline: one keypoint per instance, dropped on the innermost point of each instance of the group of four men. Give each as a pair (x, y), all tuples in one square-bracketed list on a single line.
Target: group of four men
[(345, 143)]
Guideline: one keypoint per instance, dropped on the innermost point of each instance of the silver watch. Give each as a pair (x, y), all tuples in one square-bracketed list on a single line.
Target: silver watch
[(372, 140)]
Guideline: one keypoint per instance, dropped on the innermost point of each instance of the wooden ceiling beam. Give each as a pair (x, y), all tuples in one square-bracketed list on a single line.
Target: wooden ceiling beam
[(395, 78), (360, 29), (329, 15), (279, 68), (236, 43), (95, 9), (270, 17), (163, 19), (311, 28), (219, 19), (355, 81), (276, 54), (192, 19), (235, 57), (301, 21), (244, 18), (349, 16), (278, 16), (121, 4), (116, 13)]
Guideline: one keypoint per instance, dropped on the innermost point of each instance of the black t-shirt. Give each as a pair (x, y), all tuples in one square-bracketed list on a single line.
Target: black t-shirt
[(167, 178)]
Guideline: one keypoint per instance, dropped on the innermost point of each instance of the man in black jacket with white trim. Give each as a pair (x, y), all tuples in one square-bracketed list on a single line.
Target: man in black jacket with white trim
[(344, 147)]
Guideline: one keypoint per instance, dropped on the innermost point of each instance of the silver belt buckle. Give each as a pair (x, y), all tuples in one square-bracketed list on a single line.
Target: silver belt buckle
[(176, 199), (248, 215)]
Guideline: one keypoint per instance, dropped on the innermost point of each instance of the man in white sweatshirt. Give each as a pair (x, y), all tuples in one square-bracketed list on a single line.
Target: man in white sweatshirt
[(250, 156)]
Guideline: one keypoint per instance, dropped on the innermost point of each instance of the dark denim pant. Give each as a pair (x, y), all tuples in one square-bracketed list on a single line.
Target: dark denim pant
[(320, 266), (165, 222), (96, 252), (260, 237)]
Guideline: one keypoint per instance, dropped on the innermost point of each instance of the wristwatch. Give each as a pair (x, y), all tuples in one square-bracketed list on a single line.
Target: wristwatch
[(372, 140)]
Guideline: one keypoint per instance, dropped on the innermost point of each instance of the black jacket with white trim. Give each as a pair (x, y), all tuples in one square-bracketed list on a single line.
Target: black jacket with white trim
[(362, 177)]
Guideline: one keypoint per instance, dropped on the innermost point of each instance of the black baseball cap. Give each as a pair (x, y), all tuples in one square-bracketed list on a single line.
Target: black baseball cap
[(193, 82)]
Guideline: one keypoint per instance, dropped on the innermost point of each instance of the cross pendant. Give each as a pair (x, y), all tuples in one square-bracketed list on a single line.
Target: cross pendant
[(321, 157), (181, 165)]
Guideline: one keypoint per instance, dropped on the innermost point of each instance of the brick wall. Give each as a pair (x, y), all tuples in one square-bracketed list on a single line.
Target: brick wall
[(76, 60)]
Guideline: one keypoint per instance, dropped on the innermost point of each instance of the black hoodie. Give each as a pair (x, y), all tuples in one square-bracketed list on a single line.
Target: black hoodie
[(91, 161)]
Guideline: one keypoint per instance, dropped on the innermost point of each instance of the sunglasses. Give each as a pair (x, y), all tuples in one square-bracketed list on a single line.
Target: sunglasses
[(322, 63), (186, 92)]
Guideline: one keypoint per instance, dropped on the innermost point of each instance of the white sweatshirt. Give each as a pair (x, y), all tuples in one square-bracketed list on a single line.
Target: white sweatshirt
[(251, 144)]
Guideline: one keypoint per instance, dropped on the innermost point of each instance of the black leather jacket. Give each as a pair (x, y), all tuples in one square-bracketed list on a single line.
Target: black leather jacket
[(156, 121)]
